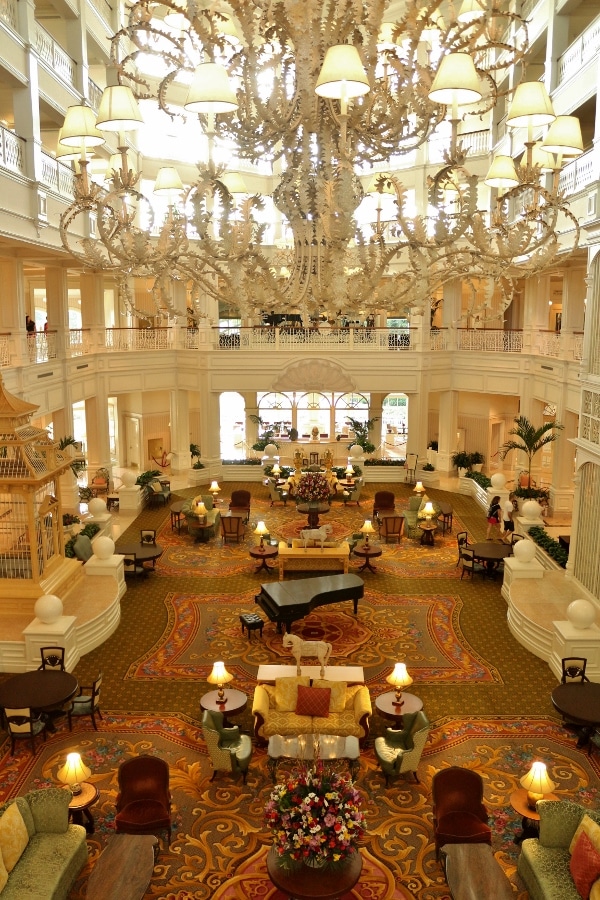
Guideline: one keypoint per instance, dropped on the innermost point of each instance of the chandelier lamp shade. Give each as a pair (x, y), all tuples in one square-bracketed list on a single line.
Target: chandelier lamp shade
[(314, 101)]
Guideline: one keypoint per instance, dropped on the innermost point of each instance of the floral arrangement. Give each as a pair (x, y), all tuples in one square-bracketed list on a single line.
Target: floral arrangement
[(313, 487), (315, 817)]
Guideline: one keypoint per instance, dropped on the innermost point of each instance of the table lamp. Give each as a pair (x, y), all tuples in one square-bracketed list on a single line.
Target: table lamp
[(74, 772), (399, 678), (198, 508), (537, 783), (214, 489), (418, 488), (220, 676), (276, 470), (367, 529), (429, 510), (349, 472), (261, 529)]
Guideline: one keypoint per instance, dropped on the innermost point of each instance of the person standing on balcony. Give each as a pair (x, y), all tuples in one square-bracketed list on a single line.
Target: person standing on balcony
[(29, 325)]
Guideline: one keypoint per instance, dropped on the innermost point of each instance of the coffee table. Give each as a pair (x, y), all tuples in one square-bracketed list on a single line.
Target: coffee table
[(473, 871), (314, 510), (306, 883), (529, 824), (143, 552), (124, 869), (367, 552), (304, 746), (386, 706), (79, 807), (263, 554)]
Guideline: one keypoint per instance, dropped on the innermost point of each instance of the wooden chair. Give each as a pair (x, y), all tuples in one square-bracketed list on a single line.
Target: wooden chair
[(86, 704), (573, 669), (147, 536), (459, 816), (240, 503), (462, 540), (391, 528), (53, 658), (131, 567), (469, 566), (143, 804), (23, 726), (383, 501), (232, 528)]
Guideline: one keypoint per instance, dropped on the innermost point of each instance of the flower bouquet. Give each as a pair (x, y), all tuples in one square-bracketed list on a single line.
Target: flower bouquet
[(315, 818), (313, 488)]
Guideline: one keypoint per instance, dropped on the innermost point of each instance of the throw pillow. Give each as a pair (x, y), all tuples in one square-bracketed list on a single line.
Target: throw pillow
[(313, 702), (13, 836), (286, 692), (338, 693), (3, 873), (156, 487), (584, 865), (591, 828)]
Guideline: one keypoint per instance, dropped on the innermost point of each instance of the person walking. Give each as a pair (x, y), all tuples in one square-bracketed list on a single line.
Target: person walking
[(493, 516), (508, 525)]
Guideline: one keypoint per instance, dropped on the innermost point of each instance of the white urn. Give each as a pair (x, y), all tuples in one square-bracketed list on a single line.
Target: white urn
[(103, 547)]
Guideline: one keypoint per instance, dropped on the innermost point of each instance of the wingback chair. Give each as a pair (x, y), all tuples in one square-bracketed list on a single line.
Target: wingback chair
[(459, 816), (391, 528), (229, 750), (240, 502), (143, 803), (352, 495), (277, 495), (232, 528), (383, 500), (400, 750)]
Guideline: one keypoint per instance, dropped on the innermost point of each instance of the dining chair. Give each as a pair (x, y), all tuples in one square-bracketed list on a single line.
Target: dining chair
[(143, 804), (469, 565), (515, 537), (86, 704), (459, 815), (22, 725), (573, 669), (232, 528), (391, 528), (132, 567), (53, 658), (148, 536), (462, 540)]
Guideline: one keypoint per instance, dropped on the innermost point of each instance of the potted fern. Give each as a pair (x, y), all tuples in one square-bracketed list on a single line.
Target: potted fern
[(462, 461)]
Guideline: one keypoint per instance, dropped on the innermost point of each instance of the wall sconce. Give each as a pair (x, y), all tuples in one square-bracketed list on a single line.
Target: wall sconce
[(399, 678), (537, 783), (220, 676), (261, 529), (367, 529), (74, 772)]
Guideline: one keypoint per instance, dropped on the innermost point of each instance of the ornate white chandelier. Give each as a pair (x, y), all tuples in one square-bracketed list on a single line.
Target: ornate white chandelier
[(323, 90)]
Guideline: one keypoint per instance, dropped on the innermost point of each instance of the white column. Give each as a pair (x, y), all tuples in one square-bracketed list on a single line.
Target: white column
[(448, 429), (180, 430)]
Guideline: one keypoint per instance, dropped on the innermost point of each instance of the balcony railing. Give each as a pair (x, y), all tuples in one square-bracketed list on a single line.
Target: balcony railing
[(580, 173), (438, 339), (79, 341), (54, 55), (8, 13), (119, 339), (94, 94), (104, 8), (263, 338), (57, 176), (12, 151), (489, 339), (42, 346), (548, 343), (581, 51)]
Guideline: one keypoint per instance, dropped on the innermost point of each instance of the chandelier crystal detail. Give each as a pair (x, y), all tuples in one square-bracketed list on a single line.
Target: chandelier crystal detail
[(326, 92)]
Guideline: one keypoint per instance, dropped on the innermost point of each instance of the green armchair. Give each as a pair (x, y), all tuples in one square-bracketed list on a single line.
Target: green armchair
[(213, 518), (400, 751), (229, 750)]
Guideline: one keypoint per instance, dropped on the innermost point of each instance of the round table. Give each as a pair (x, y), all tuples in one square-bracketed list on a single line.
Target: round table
[(143, 552), (79, 807), (314, 510), (518, 801), (37, 690), (367, 552), (234, 703), (267, 551), (579, 702), (490, 553), (306, 883), (387, 708), (428, 529)]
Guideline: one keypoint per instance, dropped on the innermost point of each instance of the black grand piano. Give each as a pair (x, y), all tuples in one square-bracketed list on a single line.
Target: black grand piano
[(285, 602)]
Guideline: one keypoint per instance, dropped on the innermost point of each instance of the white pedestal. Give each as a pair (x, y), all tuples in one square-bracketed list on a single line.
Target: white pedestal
[(429, 479), (69, 491), (514, 569), (198, 476), (526, 524), (112, 566), (494, 492), (131, 498), (59, 634), (570, 641)]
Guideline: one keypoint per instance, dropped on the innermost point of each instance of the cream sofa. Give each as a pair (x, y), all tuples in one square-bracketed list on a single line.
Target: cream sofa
[(298, 558), (274, 709), (44, 853)]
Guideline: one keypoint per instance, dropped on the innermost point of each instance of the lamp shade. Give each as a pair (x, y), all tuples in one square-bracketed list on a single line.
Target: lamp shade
[(219, 674), (118, 110), (418, 488), (367, 527), (536, 781), (456, 81), (167, 180), (64, 152), (564, 137), (234, 183), (115, 163), (543, 159), (214, 487), (349, 469), (428, 508), (342, 74), (210, 90), (469, 11), (73, 772), (531, 105), (502, 173), (261, 529), (399, 677), (79, 128)]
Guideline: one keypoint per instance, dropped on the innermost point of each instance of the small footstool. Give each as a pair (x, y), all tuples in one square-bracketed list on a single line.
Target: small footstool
[(251, 621)]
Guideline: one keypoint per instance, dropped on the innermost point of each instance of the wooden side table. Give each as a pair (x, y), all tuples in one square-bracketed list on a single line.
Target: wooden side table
[(386, 707), (234, 703), (264, 553), (531, 817), (79, 807), (367, 552), (428, 529)]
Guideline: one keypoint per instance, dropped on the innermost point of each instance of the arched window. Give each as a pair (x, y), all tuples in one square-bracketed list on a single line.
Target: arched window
[(314, 410), (275, 409), (354, 405)]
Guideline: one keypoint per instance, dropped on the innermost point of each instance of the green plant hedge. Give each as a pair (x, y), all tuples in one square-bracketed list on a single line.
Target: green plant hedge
[(549, 545), (532, 493), (384, 462), (480, 479), (241, 462)]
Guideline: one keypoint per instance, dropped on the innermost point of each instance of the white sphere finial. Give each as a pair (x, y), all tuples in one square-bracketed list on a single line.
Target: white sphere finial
[(103, 547), (48, 608), (128, 478), (498, 480), (581, 614)]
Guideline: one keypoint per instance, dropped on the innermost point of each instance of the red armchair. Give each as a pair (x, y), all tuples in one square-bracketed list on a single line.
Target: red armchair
[(240, 503), (459, 816), (383, 501), (144, 800)]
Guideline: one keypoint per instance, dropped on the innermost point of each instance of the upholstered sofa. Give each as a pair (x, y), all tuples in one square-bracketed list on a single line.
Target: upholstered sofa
[(544, 862), (298, 558), (43, 852), (274, 708)]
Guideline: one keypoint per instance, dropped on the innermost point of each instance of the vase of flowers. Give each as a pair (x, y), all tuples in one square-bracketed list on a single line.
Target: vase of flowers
[(313, 488), (315, 818)]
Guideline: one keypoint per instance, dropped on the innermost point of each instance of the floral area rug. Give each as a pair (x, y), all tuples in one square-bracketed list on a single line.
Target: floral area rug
[(183, 556), (423, 629), (219, 840)]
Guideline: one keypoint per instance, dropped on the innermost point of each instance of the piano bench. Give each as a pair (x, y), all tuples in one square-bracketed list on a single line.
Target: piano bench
[(251, 621)]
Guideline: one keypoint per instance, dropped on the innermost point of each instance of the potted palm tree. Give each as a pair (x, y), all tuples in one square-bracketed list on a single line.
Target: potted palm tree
[(529, 440)]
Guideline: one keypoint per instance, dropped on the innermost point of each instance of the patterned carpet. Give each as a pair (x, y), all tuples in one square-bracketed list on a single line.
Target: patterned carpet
[(488, 700)]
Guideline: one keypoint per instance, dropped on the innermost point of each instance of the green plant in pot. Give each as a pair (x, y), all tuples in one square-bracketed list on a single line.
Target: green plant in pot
[(266, 436), (196, 453), (428, 468), (476, 460), (77, 465), (361, 430), (461, 459), (529, 440)]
